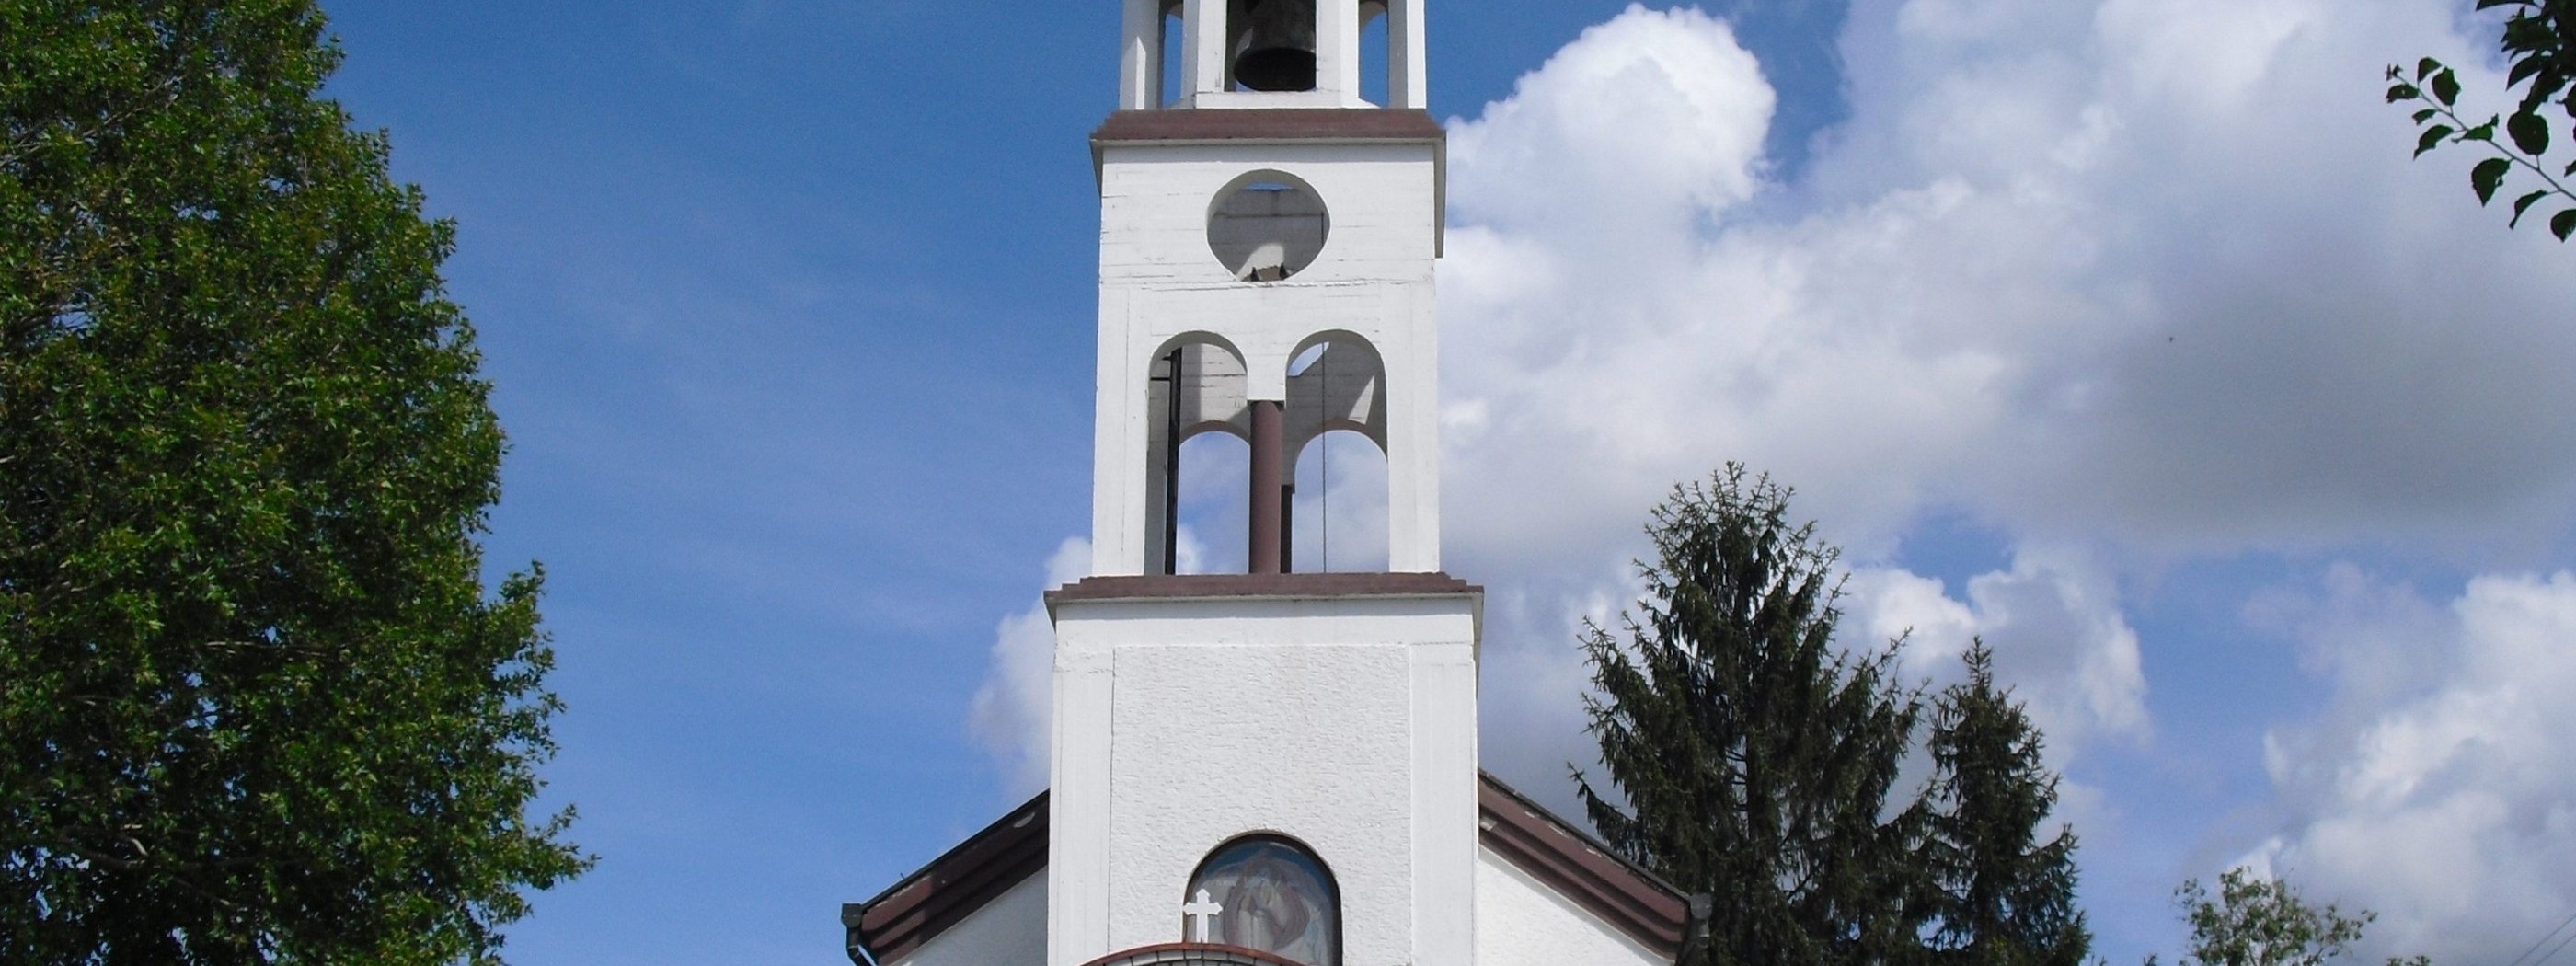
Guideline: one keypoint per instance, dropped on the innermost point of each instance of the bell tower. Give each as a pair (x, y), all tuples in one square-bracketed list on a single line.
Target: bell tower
[(1245, 228), (1277, 760)]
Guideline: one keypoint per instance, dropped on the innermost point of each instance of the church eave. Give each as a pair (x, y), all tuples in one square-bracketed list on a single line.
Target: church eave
[(1583, 870), (964, 879), (952, 887)]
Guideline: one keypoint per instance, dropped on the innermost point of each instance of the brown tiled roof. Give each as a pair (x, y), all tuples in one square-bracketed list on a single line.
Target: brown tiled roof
[(1550, 849)]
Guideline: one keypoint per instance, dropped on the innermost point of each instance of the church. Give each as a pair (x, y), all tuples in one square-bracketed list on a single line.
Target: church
[(1276, 767)]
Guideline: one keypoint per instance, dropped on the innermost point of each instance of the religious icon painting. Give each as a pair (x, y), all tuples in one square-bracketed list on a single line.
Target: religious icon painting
[(1271, 895)]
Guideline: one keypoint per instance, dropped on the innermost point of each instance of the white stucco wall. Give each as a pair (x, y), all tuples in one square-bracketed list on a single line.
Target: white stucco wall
[(1346, 723), (1011, 930), (1521, 922)]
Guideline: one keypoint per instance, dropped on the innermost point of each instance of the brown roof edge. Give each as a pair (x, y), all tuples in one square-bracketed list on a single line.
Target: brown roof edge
[(1261, 585), (952, 887), (1550, 849), (1345, 125)]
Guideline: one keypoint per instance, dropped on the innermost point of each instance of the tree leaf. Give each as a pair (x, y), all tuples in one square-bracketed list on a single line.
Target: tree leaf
[(2530, 133), (2488, 176), (2446, 87), (2425, 115), (2524, 204), (2432, 138), (2523, 69), (2482, 132), (2426, 66), (2403, 92), (2563, 224)]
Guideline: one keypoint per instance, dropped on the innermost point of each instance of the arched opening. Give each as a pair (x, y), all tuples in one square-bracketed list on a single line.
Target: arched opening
[(1194, 479), (1267, 893), (1214, 505), (1267, 225), (1340, 505), (1336, 430), (1375, 63)]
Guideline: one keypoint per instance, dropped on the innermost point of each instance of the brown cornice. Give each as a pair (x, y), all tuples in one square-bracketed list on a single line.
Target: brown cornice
[(952, 887), (1209, 125), (1165, 587)]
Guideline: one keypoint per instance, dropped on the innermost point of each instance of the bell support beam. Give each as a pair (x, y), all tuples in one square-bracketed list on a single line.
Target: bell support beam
[(1267, 548)]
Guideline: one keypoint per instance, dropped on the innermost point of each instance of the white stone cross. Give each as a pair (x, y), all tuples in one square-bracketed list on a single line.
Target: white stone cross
[(1198, 913)]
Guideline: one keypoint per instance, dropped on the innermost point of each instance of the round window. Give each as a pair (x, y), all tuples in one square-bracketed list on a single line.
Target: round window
[(1267, 226)]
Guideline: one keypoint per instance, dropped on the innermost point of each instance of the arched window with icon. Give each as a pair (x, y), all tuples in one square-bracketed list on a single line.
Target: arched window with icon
[(1267, 893)]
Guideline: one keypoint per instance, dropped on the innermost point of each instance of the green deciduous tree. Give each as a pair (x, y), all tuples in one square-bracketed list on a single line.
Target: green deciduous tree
[(2004, 898), (2539, 42), (1751, 757), (2264, 922), (256, 704)]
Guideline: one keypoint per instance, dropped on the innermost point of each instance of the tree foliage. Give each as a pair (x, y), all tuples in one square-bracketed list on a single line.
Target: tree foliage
[(2539, 43), (2004, 898), (1752, 758), (256, 705), (2265, 922)]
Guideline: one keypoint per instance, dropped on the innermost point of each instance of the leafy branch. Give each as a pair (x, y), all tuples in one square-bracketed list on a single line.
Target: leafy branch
[(2539, 40), (2438, 88)]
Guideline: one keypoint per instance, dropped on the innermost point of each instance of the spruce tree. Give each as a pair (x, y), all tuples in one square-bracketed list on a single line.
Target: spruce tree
[(2004, 897), (1749, 757), (257, 704)]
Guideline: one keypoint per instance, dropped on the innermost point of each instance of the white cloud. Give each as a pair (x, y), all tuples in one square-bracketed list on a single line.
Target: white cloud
[(2134, 283), (2056, 628), (1013, 711), (2442, 798), (2158, 272)]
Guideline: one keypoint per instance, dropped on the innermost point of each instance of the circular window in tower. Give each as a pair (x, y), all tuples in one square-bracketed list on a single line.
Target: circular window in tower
[(1267, 226)]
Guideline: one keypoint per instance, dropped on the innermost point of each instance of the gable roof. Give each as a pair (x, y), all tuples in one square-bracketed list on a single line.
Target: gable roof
[(1550, 849)]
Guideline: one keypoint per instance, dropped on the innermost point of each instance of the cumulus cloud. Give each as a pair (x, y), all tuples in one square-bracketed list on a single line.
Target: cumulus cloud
[(2054, 623), (1013, 712), (2156, 272), (2135, 283), (2438, 794)]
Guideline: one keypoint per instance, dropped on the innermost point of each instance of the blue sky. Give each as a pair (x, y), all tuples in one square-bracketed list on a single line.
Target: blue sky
[(2120, 333)]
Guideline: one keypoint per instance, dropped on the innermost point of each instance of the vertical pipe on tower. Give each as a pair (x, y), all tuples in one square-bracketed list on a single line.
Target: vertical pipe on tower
[(1172, 465), (1267, 548)]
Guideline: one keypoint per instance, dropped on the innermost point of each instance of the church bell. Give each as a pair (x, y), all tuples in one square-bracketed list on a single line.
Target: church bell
[(1277, 52)]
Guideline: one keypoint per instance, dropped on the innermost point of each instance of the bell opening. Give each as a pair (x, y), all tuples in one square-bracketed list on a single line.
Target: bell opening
[(1277, 50), (1276, 69)]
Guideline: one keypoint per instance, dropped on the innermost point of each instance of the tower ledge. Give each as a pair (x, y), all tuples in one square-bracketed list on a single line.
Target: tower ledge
[(1339, 125), (1261, 586)]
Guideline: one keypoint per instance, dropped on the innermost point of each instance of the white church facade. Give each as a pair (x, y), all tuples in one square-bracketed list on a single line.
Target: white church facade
[(1273, 767)]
